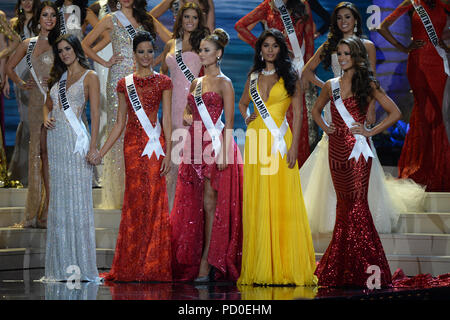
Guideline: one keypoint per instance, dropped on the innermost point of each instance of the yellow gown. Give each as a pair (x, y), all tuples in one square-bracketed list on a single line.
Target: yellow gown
[(277, 243)]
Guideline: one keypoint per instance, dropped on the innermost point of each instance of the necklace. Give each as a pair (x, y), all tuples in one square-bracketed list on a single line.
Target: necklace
[(268, 73), (42, 37)]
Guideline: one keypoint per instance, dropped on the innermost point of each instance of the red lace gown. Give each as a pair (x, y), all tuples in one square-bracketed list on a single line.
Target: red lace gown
[(268, 12), (355, 244), (187, 216), (425, 156), (143, 244)]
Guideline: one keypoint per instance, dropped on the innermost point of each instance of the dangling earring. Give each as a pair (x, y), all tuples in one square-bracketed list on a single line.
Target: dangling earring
[(118, 5), (355, 29), (20, 9), (39, 26), (218, 61), (261, 56)]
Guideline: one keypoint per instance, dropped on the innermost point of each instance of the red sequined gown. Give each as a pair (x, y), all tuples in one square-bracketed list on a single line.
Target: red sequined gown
[(143, 244), (425, 156), (268, 12), (187, 216), (355, 244)]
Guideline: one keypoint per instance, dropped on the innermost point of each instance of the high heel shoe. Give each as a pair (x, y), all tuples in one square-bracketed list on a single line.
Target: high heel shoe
[(208, 278)]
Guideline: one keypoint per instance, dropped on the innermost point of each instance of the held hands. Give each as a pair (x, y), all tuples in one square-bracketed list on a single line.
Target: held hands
[(116, 58), (49, 123), (94, 157), (250, 118), (359, 128), (28, 85)]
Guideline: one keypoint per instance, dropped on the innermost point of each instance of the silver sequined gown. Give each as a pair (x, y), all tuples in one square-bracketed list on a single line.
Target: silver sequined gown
[(70, 225), (113, 177)]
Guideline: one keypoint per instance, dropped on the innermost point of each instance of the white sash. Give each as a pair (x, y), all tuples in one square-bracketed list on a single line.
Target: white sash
[(153, 133), (290, 30), (214, 130), (179, 58), (82, 143), (126, 23), (30, 50), (361, 146), (278, 133), (62, 21), (432, 34)]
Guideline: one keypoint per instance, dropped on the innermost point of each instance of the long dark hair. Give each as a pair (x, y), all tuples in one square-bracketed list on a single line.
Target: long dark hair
[(297, 9), (82, 4), (335, 33), (54, 33), (142, 17), (59, 67), (204, 3), (19, 26), (198, 34), (363, 75), (283, 63)]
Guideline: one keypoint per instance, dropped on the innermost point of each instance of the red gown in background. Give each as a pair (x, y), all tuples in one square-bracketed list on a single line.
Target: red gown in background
[(267, 12), (143, 244), (187, 216), (355, 244), (425, 156)]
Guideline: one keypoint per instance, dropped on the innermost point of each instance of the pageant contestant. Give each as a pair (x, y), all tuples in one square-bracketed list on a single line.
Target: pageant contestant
[(355, 244), (206, 217), (122, 26), (73, 14), (387, 197), (26, 26), (3, 81), (206, 6), (143, 244), (70, 229), (180, 57), (425, 156), (39, 57), (277, 243), (294, 19)]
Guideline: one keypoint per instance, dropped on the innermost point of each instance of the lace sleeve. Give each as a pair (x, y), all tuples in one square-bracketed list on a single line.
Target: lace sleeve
[(309, 35), (399, 11), (257, 14)]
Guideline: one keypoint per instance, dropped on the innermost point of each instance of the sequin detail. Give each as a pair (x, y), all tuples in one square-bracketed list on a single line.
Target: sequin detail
[(355, 244)]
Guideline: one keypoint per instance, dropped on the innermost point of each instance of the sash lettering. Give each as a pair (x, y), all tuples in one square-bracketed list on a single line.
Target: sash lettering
[(179, 58), (214, 130), (361, 146), (126, 23), (290, 30), (429, 28), (82, 142), (153, 133), (30, 50), (278, 133), (62, 21)]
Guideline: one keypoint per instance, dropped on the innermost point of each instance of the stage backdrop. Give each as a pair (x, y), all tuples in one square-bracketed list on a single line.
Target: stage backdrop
[(237, 61)]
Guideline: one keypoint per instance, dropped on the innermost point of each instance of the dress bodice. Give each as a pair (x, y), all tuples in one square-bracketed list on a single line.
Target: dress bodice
[(75, 96), (352, 106), (72, 16), (121, 41), (278, 102), (149, 90), (438, 17), (192, 61), (213, 102), (42, 65)]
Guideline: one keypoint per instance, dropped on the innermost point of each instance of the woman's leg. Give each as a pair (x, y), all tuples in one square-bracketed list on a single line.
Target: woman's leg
[(209, 207), (42, 220)]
